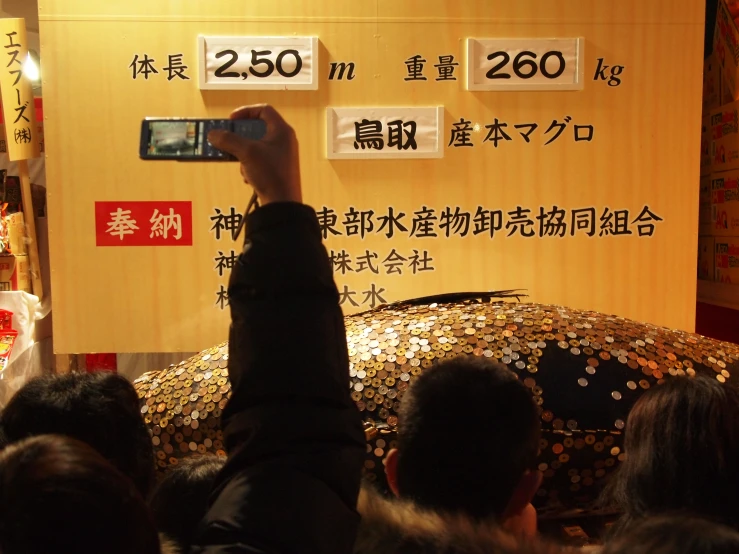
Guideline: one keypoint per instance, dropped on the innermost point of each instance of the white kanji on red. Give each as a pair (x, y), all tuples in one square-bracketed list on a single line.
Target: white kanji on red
[(121, 223), (162, 224)]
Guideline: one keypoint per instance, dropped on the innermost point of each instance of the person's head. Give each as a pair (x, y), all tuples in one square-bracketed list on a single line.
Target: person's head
[(100, 409), (676, 535), (180, 500), (59, 495), (682, 453), (468, 439)]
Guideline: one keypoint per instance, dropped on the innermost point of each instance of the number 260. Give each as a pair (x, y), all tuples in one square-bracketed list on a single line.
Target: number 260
[(258, 59), (524, 65)]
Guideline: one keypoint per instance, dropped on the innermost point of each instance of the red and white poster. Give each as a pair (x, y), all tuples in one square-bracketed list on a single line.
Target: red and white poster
[(164, 223)]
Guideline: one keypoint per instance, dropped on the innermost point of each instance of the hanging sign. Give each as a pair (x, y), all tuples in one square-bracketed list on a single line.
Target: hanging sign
[(17, 93)]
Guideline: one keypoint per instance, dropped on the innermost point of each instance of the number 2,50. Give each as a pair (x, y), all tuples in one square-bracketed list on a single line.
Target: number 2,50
[(525, 66), (259, 60)]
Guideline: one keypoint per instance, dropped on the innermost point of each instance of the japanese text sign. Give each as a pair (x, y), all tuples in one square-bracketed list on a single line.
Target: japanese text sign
[(17, 92), (384, 133), (143, 223), (258, 63), (422, 183)]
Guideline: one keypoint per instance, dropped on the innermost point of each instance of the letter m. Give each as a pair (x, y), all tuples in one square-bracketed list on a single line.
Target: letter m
[(342, 68)]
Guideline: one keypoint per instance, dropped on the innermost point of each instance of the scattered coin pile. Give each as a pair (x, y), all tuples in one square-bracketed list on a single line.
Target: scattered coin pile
[(585, 370)]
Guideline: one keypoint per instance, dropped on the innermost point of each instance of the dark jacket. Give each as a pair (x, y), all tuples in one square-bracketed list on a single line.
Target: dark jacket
[(293, 435), (391, 526)]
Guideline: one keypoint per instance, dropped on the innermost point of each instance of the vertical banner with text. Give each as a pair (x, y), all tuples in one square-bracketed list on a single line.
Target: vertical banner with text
[(17, 92)]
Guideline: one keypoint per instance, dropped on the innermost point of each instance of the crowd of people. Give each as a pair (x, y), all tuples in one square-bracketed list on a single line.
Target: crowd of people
[(77, 468)]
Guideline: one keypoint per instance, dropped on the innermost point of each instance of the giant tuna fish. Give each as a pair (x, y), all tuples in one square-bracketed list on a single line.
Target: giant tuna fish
[(585, 370)]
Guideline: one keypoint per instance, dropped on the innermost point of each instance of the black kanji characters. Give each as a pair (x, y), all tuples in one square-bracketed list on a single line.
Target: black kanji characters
[(225, 222), (552, 222), (341, 261), (21, 136), (420, 262), (519, 220), (394, 262), (496, 133), (369, 262), (487, 221), (414, 66), (224, 262), (373, 296), (583, 219), (446, 67), (454, 223), (461, 133), (176, 68), (222, 297), (144, 66), (368, 135), (365, 262), (347, 295), (358, 223), (614, 223), (646, 221), (391, 221), (398, 131), (327, 220), (424, 221)]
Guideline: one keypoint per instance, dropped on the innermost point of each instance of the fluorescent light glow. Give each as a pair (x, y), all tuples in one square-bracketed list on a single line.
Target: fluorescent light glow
[(30, 69)]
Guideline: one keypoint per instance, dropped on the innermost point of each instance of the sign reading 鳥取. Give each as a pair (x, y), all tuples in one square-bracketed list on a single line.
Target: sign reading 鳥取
[(525, 64), (366, 133), (17, 92), (143, 223), (258, 63)]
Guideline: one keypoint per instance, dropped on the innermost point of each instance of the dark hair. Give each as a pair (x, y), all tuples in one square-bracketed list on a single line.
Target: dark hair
[(468, 430), (100, 409), (682, 453), (678, 534), (180, 500), (59, 495)]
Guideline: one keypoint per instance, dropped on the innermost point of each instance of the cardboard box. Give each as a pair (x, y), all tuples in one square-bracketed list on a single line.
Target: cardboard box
[(17, 237), (706, 264), (713, 90), (724, 204), (706, 146), (705, 222), (724, 129), (15, 273), (726, 260), (726, 48)]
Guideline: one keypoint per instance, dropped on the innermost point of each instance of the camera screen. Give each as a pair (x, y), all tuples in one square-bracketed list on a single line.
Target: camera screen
[(175, 138)]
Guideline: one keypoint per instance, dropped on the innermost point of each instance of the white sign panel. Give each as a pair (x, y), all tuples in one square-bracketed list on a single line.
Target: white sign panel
[(258, 63), (382, 133), (525, 64)]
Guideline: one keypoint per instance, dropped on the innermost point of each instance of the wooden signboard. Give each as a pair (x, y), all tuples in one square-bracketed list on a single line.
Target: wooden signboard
[(446, 146), (23, 141)]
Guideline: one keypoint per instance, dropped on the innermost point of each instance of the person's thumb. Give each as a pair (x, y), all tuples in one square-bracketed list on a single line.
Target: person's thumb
[(231, 143)]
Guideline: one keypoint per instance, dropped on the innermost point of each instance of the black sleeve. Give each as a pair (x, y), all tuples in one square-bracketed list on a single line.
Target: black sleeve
[(294, 437)]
